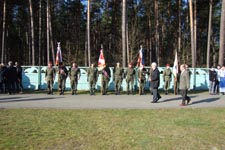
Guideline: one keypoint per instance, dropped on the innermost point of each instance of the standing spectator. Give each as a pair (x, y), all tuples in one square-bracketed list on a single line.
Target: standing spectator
[(50, 77), (142, 79), (92, 77), (106, 75), (217, 86), (184, 85), (222, 80), (1, 78), (167, 73), (74, 75), (3, 74), (19, 71), (62, 75), (11, 76), (212, 81), (155, 81), (118, 77), (130, 75)]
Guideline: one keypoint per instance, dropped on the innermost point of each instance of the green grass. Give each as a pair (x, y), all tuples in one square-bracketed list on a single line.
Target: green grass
[(160, 129)]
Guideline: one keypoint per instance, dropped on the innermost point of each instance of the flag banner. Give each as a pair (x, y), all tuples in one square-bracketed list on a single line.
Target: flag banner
[(101, 60), (175, 66), (140, 62), (58, 54)]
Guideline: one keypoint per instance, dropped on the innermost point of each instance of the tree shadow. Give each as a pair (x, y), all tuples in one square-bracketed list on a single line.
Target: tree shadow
[(208, 100)]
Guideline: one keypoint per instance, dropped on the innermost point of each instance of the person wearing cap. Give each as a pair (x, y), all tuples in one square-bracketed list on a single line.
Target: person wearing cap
[(62, 75), (155, 81), (167, 76), (142, 79), (19, 71), (118, 78), (92, 77), (50, 77), (130, 75), (74, 74)]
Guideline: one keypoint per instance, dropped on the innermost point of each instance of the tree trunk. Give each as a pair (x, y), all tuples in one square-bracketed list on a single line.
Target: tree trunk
[(127, 44), (157, 31), (47, 7), (3, 30), (32, 31), (88, 34), (222, 34), (209, 33), (192, 34), (39, 35), (124, 31), (179, 27), (195, 31), (51, 37)]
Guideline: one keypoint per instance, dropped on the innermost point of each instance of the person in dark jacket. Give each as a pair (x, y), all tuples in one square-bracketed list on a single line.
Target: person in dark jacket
[(155, 80), (19, 71), (212, 81), (11, 76)]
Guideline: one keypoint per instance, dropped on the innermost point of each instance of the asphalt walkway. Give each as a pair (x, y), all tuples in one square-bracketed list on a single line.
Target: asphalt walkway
[(85, 101)]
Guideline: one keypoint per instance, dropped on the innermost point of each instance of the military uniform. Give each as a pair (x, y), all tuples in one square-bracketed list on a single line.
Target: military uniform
[(142, 80), (62, 75), (92, 77), (74, 75), (19, 85), (49, 77), (130, 75), (118, 78), (167, 73), (106, 75)]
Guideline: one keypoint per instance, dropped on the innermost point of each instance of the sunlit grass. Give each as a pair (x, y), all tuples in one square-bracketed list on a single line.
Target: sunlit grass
[(192, 129)]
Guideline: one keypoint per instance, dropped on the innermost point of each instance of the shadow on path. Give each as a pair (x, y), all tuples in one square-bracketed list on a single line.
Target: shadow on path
[(208, 100), (16, 99), (175, 99)]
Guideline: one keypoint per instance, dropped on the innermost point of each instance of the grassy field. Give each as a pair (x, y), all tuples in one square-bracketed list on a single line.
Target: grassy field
[(159, 129)]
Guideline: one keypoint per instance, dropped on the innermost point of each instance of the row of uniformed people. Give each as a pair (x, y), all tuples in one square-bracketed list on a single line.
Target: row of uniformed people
[(92, 76)]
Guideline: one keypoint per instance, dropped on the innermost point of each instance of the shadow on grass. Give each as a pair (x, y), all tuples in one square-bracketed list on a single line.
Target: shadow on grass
[(21, 99), (208, 100)]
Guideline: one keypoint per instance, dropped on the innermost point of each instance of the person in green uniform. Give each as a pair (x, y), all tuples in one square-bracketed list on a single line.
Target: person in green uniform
[(74, 74), (62, 75), (92, 77), (50, 77), (167, 76), (130, 76), (106, 75), (142, 80), (118, 78)]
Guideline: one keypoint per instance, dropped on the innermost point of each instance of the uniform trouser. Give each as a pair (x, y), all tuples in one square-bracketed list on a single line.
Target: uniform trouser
[(142, 87), (175, 88), (156, 95), (62, 85), (50, 85), (184, 96), (92, 84), (212, 87), (73, 83), (166, 85), (11, 87), (130, 85), (118, 83), (104, 86), (19, 86)]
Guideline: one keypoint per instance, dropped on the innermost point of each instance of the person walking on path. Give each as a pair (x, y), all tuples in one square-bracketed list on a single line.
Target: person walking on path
[(130, 75), (184, 85), (222, 80), (74, 74), (167, 73), (50, 77), (62, 75), (212, 80), (92, 77), (155, 81), (217, 86)]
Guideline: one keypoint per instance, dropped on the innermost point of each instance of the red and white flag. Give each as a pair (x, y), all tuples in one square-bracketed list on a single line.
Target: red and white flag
[(140, 61), (101, 60), (58, 55), (175, 66)]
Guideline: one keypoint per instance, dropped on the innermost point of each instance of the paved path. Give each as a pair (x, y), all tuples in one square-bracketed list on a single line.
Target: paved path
[(85, 101)]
